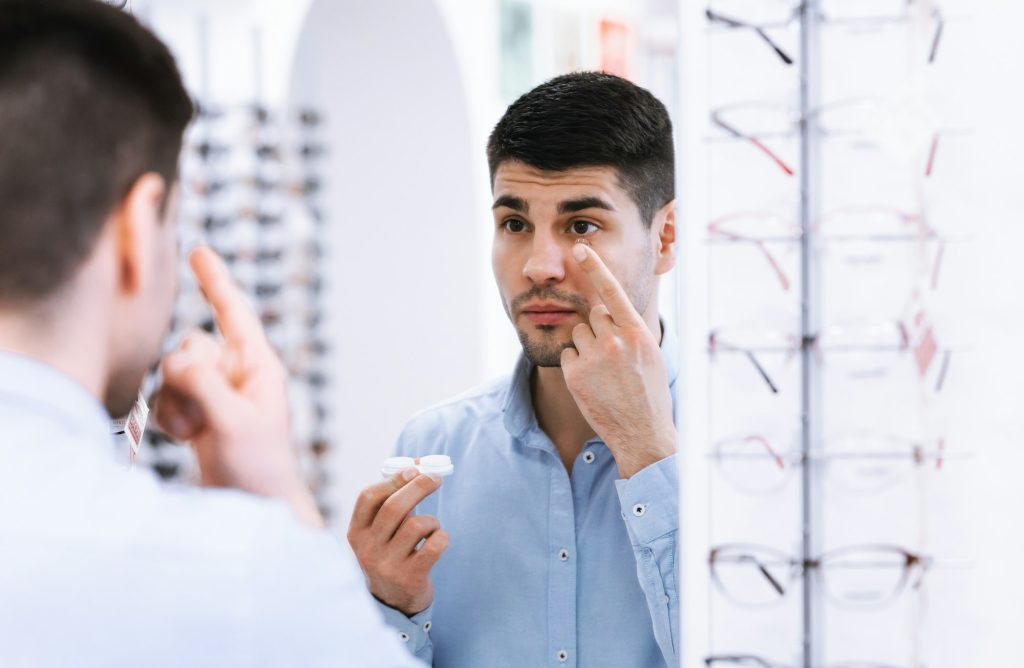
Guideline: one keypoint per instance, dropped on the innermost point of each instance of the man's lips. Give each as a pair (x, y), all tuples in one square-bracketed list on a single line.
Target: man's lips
[(547, 314)]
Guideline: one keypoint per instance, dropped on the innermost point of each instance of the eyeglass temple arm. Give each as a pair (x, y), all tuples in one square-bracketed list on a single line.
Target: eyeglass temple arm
[(771, 580), (714, 228), (716, 118), (932, 150), (714, 345), (761, 371), (940, 24), (757, 438), (734, 23)]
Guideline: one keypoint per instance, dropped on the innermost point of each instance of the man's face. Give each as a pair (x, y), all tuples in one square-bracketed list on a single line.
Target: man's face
[(539, 216)]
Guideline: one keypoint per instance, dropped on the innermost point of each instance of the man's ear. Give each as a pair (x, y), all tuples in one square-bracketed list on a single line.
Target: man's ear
[(663, 234), (136, 221)]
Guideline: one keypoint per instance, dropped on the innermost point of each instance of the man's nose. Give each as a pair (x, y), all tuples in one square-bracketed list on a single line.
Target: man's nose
[(546, 263)]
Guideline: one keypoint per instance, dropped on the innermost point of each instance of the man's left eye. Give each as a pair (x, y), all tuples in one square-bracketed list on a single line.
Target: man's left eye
[(583, 227)]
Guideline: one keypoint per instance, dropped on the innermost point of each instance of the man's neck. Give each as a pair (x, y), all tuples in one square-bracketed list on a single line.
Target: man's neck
[(557, 413), (67, 348)]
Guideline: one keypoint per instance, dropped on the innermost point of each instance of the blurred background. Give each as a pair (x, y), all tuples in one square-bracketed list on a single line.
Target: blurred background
[(847, 295)]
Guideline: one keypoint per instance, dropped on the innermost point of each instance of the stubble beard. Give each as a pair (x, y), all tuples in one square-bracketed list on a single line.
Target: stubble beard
[(541, 343)]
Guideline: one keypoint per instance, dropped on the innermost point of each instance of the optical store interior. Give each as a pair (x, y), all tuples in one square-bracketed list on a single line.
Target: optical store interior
[(844, 304)]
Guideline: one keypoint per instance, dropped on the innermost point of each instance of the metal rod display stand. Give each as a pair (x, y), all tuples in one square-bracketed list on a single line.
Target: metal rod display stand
[(808, 327)]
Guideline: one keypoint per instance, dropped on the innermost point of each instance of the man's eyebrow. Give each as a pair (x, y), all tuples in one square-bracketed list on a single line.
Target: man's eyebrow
[(574, 205), (515, 203)]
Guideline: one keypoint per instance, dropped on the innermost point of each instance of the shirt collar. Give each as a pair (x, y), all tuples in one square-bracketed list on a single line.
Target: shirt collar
[(519, 417), (42, 393)]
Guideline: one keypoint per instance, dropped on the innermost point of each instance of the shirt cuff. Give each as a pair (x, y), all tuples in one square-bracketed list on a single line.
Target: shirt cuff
[(650, 501), (412, 631)]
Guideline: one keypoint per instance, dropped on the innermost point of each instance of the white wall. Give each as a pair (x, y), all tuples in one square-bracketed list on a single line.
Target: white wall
[(405, 261)]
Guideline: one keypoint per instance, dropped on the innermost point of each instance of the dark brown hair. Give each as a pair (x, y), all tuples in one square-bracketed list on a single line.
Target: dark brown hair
[(592, 119), (89, 101)]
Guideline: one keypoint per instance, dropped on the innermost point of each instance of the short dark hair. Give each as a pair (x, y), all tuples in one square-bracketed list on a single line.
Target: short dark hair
[(89, 101), (589, 119)]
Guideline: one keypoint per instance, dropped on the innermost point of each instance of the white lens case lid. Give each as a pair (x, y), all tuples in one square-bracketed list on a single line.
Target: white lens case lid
[(439, 465)]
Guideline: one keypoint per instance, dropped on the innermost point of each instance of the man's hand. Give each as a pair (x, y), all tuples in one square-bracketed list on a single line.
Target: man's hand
[(385, 537), (229, 398), (617, 375)]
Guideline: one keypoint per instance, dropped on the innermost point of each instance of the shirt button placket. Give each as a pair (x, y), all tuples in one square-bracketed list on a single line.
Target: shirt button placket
[(562, 569)]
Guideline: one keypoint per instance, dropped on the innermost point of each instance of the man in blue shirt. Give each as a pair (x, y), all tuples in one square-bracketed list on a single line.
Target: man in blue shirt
[(562, 513)]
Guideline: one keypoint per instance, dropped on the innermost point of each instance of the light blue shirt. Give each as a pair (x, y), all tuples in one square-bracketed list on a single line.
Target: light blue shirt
[(543, 568), (101, 566)]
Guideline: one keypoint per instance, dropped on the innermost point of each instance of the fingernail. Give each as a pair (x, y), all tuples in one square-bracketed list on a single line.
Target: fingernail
[(579, 252), (435, 478), (410, 473)]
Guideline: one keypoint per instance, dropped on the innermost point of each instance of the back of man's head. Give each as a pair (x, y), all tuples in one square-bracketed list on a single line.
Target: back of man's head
[(592, 119), (89, 102)]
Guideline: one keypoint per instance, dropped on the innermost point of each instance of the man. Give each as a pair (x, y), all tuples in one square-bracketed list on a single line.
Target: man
[(562, 511), (99, 566)]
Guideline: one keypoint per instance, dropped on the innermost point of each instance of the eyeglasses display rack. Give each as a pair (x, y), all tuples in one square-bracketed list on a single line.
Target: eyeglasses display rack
[(831, 242)]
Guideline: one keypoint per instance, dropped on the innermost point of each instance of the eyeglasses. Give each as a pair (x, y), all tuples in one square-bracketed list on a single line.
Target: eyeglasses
[(897, 127), (309, 151), (884, 336), (259, 256), (868, 12), (208, 150), (758, 230), (858, 349), (871, 256), (857, 577), (310, 118), (256, 112), (304, 188), (858, 463), (764, 13), (310, 319), (760, 16)]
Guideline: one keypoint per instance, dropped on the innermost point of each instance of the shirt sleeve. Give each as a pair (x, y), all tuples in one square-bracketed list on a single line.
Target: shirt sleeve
[(413, 632), (650, 509)]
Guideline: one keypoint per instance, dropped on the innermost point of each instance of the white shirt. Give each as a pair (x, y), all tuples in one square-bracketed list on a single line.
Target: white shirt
[(102, 566)]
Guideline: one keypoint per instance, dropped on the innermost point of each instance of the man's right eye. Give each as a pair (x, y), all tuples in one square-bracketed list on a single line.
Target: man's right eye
[(515, 225)]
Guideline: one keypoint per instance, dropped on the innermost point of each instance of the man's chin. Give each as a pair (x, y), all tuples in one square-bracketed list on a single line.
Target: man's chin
[(543, 353)]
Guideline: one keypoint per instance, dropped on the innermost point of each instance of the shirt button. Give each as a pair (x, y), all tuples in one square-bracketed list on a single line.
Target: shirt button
[(404, 637), (639, 509), (589, 457), (563, 554), (426, 627), (562, 655)]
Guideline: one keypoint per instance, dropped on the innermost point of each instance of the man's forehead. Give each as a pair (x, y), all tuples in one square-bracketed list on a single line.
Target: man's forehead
[(515, 179)]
